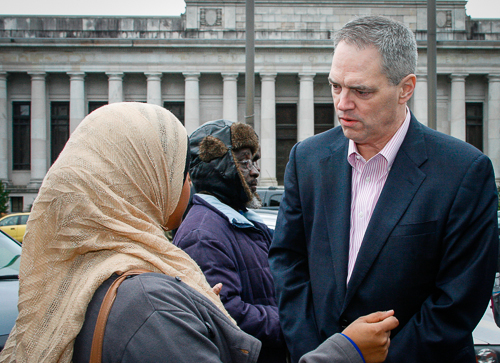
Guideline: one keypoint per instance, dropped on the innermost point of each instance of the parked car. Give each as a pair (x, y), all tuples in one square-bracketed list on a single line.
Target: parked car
[(268, 216), (270, 196), (15, 225), (10, 251), (486, 335)]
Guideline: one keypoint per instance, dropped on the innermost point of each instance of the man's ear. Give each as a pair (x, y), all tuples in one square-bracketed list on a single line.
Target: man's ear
[(407, 87)]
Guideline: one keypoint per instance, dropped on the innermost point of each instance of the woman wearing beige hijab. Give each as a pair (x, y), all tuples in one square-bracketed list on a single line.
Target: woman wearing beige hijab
[(102, 210)]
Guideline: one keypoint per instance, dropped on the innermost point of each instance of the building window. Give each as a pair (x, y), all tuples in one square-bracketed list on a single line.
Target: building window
[(21, 135), (177, 108), (323, 117), (59, 128), (474, 124), (94, 105), (286, 136), (16, 204)]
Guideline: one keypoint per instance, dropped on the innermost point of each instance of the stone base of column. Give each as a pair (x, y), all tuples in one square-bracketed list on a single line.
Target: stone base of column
[(268, 182), (34, 184)]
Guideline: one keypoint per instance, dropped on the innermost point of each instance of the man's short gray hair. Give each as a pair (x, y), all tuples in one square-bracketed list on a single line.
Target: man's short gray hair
[(395, 42)]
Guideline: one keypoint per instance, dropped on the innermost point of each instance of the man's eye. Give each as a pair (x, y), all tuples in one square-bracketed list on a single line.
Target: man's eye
[(362, 93)]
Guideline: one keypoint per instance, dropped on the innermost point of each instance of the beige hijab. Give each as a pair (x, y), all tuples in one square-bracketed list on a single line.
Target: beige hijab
[(100, 210)]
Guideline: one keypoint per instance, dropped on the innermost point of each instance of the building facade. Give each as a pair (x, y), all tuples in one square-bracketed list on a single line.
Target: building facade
[(56, 70)]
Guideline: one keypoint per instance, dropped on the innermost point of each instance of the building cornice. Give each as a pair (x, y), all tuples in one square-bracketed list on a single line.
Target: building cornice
[(214, 43)]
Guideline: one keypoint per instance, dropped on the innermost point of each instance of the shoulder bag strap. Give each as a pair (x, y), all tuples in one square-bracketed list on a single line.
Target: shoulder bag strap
[(107, 303)]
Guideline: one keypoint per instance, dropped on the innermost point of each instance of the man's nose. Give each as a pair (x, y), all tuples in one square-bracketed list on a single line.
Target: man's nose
[(255, 170), (345, 101)]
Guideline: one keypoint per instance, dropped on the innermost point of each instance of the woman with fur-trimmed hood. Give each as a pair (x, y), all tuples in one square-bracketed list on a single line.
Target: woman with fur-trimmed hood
[(229, 241)]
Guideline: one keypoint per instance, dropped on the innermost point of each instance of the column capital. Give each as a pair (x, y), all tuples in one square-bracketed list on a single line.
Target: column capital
[(421, 76), (191, 75), (268, 76), (3, 76), (115, 75), (307, 76), (37, 75), (494, 77), (76, 75), (458, 77), (153, 76), (229, 76)]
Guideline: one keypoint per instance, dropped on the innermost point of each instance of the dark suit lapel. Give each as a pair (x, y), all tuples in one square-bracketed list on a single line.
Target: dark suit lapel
[(400, 187), (336, 197)]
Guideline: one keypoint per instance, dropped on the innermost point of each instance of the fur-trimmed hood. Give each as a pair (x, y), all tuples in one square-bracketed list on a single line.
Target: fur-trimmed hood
[(213, 168)]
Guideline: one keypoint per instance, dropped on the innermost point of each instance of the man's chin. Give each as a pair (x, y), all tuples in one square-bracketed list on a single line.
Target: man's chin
[(255, 203)]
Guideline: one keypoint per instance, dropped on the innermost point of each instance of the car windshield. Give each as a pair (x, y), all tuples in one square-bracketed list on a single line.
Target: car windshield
[(10, 253)]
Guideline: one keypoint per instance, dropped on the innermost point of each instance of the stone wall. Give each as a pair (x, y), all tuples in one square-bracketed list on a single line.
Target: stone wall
[(224, 20)]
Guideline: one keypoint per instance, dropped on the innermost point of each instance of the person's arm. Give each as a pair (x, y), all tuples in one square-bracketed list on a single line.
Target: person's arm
[(290, 268), (216, 262), (175, 335), (443, 326), (366, 340), (180, 326)]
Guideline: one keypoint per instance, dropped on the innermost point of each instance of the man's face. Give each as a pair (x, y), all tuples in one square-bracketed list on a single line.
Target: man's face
[(370, 109), (246, 163)]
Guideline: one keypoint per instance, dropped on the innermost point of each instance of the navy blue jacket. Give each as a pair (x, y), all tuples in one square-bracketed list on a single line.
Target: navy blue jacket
[(233, 250), (429, 252)]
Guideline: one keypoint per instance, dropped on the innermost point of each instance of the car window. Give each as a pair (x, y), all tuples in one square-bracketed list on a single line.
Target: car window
[(275, 200), (10, 252), (9, 221), (23, 219)]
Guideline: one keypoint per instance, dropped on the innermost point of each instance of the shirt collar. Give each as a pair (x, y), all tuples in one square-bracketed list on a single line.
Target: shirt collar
[(241, 220), (391, 149)]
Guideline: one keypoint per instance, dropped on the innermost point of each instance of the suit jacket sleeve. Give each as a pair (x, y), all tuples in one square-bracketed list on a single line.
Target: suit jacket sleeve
[(289, 266), (443, 326)]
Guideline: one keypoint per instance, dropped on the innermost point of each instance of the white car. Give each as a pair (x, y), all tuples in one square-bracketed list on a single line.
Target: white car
[(10, 252)]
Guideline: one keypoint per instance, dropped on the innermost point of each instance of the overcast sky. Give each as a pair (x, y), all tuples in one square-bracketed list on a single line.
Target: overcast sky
[(475, 8)]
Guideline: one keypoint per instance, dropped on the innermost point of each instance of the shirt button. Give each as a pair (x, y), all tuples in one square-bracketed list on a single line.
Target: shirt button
[(358, 157), (368, 179), (360, 214), (178, 278)]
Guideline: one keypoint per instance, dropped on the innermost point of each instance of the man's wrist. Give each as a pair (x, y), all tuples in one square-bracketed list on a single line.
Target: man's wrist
[(355, 346)]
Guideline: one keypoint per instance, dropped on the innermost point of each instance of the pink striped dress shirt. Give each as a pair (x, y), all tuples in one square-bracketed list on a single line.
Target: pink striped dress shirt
[(368, 179)]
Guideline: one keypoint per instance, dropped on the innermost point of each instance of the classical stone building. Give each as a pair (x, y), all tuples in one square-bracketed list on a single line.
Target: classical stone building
[(55, 70)]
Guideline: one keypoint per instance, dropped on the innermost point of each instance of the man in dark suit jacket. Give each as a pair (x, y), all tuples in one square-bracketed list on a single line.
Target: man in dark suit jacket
[(384, 213)]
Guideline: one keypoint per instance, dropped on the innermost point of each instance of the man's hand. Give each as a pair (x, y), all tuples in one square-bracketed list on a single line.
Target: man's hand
[(217, 288), (371, 333)]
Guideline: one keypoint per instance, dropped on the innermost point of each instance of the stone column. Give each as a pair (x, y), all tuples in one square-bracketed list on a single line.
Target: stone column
[(268, 129), (154, 88), (76, 99), (493, 122), (419, 108), (38, 129), (305, 126), (115, 87), (191, 101), (4, 141), (457, 127), (230, 97)]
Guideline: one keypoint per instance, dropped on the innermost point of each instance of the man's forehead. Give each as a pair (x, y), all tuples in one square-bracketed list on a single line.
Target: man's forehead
[(352, 81)]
